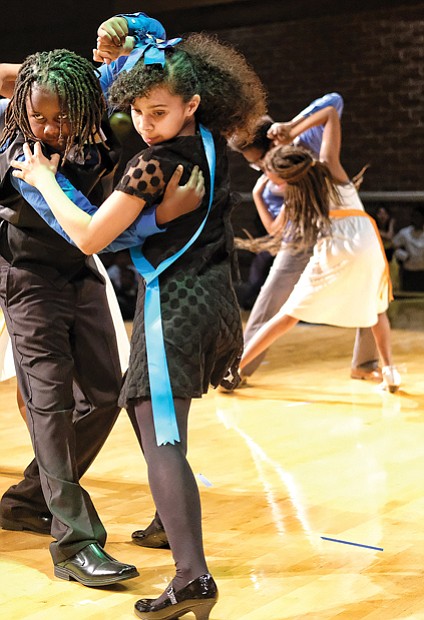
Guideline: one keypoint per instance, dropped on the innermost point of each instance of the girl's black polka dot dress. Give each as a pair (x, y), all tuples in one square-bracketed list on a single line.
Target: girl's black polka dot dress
[(200, 314)]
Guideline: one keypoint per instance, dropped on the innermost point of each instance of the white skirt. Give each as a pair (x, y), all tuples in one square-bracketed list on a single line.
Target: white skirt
[(346, 281)]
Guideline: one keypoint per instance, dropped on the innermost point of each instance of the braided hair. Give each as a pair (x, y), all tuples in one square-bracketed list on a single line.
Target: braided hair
[(74, 80), (310, 190), (232, 96)]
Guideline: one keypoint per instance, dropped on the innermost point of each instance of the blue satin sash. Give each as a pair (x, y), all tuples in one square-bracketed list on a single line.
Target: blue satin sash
[(165, 422)]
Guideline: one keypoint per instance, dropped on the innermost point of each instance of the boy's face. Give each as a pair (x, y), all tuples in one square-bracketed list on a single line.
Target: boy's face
[(254, 156), (161, 115), (48, 122)]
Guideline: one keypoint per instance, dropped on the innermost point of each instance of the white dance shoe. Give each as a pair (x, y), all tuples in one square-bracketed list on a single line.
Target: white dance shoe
[(391, 379)]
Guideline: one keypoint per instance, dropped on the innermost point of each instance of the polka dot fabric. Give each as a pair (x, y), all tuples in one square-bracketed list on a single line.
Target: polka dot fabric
[(200, 314), (202, 333), (143, 178)]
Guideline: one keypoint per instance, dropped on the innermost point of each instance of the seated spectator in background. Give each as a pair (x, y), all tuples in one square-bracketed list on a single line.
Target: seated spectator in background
[(248, 291), (409, 252), (386, 225)]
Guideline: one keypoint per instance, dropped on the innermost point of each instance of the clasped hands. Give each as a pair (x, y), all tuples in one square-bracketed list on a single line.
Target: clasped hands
[(279, 133), (113, 40)]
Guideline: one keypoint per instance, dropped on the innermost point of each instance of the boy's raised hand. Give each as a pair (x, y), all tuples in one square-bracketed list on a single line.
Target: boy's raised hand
[(113, 30), (113, 40)]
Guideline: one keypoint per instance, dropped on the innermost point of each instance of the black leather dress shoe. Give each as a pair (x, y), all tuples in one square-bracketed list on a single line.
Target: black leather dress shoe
[(25, 521), (92, 566), (154, 537)]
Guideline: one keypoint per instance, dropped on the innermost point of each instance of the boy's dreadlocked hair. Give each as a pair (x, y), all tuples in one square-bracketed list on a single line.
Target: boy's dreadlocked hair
[(75, 81), (310, 190), (232, 96)]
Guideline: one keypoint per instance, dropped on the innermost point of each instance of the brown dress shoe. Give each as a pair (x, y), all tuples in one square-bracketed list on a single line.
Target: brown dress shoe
[(367, 374)]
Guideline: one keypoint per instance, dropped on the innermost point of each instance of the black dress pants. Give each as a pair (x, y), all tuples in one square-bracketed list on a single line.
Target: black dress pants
[(60, 336)]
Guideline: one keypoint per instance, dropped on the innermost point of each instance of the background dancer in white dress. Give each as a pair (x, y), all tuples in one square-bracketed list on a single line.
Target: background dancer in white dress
[(289, 263), (346, 282)]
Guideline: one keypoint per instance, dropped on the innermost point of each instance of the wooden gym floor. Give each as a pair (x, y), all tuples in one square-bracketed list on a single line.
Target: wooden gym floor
[(302, 455)]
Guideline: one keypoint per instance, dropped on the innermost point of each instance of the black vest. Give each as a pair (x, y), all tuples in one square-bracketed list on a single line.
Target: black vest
[(26, 241)]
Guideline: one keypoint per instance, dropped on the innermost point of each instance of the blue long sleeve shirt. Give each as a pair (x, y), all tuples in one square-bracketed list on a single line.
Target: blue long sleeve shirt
[(310, 139), (144, 226)]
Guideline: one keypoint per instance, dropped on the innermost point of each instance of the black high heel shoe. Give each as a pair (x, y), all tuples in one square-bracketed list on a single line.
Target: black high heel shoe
[(198, 596), (154, 536)]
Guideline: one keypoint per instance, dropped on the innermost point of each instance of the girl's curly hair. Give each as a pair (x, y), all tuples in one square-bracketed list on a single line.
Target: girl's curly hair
[(74, 80), (232, 95), (310, 190)]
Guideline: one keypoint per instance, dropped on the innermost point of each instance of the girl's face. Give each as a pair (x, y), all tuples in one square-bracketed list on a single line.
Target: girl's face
[(161, 115), (48, 122)]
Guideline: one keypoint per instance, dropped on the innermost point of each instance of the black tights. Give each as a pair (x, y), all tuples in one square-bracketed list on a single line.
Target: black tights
[(174, 490)]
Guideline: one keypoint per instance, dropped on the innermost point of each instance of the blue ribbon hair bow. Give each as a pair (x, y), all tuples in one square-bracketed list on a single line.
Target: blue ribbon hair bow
[(153, 49)]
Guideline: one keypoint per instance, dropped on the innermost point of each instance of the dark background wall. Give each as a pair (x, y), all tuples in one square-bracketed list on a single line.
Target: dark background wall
[(371, 52)]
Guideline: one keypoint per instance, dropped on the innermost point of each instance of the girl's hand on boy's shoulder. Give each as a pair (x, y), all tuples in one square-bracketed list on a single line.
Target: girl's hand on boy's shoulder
[(260, 185), (36, 168)]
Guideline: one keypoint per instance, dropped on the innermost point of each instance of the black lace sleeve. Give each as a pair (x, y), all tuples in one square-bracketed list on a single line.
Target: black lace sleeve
[(144, 177)]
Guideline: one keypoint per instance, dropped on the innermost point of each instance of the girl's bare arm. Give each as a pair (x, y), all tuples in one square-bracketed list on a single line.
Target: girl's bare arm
[(90, 233)]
